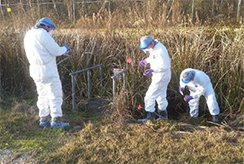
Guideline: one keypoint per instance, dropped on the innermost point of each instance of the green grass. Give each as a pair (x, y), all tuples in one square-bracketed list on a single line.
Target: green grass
[(20, 132), (112, 141)]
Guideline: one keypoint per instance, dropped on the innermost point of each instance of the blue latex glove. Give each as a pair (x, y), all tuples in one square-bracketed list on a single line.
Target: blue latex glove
[(148, 72), (188, 98), (67, 49), (181, 90), (142, 63)]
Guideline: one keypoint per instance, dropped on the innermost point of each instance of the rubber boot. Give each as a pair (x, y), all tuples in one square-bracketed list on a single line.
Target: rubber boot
[(215, 118), (58, 123), (163, 114), (150, 116), (44, 122)]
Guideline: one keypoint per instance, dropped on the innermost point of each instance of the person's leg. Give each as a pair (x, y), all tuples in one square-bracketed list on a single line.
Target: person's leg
[(149, 100), (194, 106), (162, 101), (55, 95), (43, 104), (157, 92), (212, 103)]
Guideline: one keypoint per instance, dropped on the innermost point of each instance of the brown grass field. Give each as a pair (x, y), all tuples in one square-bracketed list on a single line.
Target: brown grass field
[(104, 130)]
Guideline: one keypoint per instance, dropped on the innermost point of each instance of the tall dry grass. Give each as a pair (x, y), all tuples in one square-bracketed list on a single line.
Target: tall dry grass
[(218, 52), (123, 14), (133, 143)]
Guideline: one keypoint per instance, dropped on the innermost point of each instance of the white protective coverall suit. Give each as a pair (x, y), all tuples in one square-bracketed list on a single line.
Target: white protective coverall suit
[(160, 64), (41, 51), (200, 85)]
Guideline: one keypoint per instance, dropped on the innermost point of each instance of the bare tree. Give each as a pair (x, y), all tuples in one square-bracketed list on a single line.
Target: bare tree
[(55, 6), (238, 11), (1, 8), (213, 6), (193, 11)]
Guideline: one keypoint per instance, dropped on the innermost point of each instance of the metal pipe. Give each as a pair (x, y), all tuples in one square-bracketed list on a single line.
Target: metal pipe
[(89, 84), (101, 76), (73, 82), (118, 72), (114, 86), (89, 81), (124, 79), (86, 69)]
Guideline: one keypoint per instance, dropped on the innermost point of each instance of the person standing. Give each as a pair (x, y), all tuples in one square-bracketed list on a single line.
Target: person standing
[(198, 84), (41, 51), (160, 69)]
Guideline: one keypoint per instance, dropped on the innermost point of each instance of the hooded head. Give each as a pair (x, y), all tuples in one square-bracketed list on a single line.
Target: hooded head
[(188, 76), (145, 42), (46, 23)]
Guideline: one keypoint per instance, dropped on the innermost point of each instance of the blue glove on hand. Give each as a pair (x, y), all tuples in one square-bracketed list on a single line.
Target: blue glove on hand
[(188, 98), (148, 72), (67, 49), (181, 90), (142, 63)]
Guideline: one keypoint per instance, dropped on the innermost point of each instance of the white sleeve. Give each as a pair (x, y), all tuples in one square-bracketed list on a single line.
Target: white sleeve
[(50, 44)]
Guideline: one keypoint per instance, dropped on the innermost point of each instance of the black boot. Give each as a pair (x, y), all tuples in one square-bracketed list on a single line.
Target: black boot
[(150, 116), (215, 118), (163, 114)]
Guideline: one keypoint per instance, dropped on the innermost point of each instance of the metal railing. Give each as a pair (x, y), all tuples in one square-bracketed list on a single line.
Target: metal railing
[(89, 83), (118, 72)]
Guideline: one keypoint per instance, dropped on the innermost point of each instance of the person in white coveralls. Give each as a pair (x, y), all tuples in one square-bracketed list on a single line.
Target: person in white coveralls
[(199, 84), (41, 51), (160, 69)]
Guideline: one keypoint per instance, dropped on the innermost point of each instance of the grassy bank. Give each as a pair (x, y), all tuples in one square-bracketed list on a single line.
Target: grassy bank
[(108, 140)]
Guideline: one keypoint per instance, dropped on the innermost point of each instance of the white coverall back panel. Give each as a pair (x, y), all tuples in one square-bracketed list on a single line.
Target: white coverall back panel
[(160, 63), (200, 85), (41, 51)]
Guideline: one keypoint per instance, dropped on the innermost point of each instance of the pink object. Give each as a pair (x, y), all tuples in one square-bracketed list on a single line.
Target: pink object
[(129, 60), (139, 107)]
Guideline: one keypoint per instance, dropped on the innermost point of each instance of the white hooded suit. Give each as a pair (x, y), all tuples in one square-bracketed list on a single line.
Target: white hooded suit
[(200, 85), (160, 64), (41, 51)]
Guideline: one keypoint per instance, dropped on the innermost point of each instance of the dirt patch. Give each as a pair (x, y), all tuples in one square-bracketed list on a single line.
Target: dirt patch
[(8, 156)]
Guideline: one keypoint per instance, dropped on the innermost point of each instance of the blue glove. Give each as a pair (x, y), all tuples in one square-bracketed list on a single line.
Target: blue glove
[(188, 98), (148, 72), (181, 90), (67, 49), (142, 63)]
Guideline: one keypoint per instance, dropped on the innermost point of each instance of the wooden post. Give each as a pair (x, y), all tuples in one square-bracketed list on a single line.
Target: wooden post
[(238, 11), (73, 82), (73, 9), (1, 9), (55, 6), (213, 7), (193, 12), (89, 87)]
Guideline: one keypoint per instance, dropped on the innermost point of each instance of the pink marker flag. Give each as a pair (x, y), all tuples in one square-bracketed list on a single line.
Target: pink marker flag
[(129, 60), (139, 107)]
